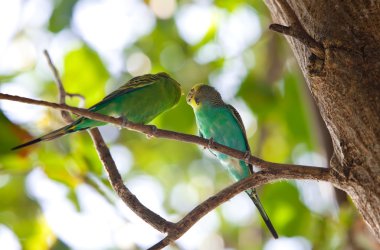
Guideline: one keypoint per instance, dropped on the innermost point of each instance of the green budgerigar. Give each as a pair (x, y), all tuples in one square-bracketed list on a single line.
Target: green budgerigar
[(222, 123), (140, 100)]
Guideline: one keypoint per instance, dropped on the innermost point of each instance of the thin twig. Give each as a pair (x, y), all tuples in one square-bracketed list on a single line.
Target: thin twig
[(296, 30), (61, 90)]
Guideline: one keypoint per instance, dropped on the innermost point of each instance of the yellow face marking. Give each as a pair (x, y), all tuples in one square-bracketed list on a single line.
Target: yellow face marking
[(190, 97), (194, 104)]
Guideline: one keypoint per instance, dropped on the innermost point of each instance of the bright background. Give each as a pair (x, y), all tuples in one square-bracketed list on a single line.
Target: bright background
[(56, 195)]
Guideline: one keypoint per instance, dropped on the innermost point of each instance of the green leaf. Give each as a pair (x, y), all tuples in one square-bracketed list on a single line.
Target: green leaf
[(84, 73), (61, 16)]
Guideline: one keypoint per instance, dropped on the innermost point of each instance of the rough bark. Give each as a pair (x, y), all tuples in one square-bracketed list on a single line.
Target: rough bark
[(345, 83)]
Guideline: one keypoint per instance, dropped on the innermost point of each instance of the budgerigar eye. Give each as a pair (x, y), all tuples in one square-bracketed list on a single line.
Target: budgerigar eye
[(196, 100)]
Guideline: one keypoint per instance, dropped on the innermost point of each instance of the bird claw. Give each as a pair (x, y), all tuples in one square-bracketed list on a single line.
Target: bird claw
[(124, 122), (247, 156), (210, 144), (152, 132)]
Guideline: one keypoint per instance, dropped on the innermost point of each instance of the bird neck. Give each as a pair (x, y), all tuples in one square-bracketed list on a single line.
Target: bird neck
[(206, 111)]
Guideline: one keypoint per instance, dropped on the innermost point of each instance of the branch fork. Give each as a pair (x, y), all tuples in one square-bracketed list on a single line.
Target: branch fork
[(270, 171)]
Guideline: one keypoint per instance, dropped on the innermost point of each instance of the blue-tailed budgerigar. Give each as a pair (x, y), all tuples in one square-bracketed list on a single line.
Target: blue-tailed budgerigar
[(221, 122)]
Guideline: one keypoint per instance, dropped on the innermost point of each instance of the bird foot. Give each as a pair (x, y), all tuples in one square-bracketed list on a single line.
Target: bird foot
[(247, 156), (152, 132), (210, 144), (124, 122)]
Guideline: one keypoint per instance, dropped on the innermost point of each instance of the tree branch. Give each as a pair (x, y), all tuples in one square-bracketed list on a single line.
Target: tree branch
[(122, 191), (105, 156), (147, 129), (296, 30), (270, 174), (271, 171), (62, 92)]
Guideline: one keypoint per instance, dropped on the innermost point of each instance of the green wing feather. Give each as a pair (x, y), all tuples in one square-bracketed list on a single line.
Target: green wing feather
[(135, 83), (241, 125)]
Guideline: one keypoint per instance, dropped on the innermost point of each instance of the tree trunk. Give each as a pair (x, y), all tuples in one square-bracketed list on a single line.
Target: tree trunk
[(345, 83)]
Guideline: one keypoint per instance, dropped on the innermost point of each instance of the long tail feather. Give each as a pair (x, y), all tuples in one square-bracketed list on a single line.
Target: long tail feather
[(27, 144), (55, 134), (255, 198)]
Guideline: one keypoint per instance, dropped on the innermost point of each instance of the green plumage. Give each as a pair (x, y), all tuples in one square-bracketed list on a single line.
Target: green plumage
[(140, 100), (222, 123)]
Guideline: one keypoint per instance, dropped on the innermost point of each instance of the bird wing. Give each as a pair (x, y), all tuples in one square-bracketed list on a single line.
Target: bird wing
[(132, 85), (241, 125)]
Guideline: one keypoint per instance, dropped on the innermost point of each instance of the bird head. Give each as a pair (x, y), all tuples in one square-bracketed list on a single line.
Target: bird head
[(167, 76), (202, 93)]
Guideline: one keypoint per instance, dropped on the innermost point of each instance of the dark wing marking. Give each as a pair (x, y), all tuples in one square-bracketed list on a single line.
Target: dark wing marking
[(241, 125), (240, 122), (137, 82), (132, 85)]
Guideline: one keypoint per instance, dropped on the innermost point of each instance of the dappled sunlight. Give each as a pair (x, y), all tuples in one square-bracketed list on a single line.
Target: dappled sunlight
[(183, 198), (291, 243), (149, 191), (25, 113), (234, 35), (245, 207), (20, 55), (109, 26), (110, 133), (90, 228), (163, 9), (208, 53), (19, 50), (9, 14), (138, 64), (199, 233), (228, 80), (193, 21), (318, 196), (8, 240), (97, 46), (122, 157)]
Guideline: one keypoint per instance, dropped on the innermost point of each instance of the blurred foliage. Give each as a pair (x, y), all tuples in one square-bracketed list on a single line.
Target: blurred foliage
[(85, 70), (61, 16), (272, 89)]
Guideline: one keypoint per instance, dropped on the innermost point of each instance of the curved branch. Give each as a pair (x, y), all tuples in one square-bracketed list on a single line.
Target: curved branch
[(108, 162), (270, 174), (122, 191)]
